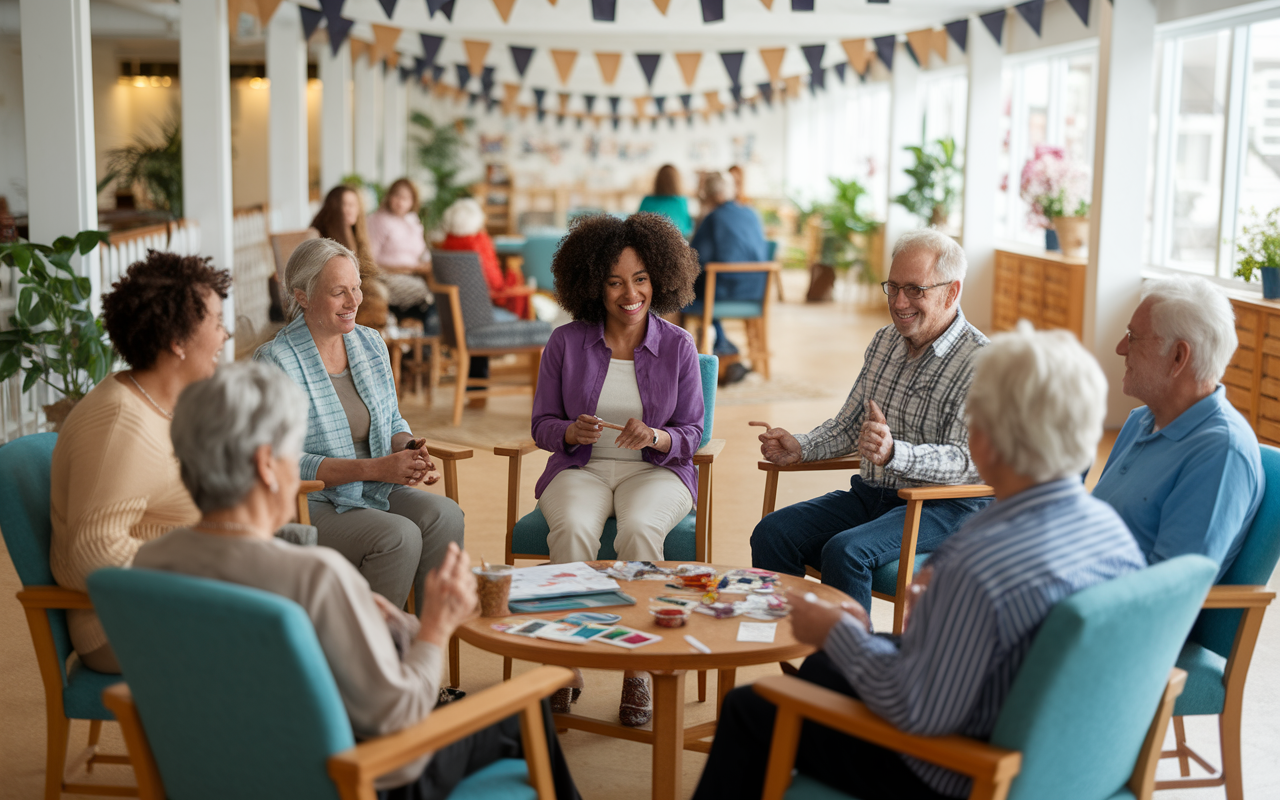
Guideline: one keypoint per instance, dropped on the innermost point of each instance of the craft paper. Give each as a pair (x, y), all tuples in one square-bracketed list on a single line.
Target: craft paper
[(757, 631)]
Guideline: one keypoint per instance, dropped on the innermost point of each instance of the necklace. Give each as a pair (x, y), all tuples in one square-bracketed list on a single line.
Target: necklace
[(150, 399), (227, 526)]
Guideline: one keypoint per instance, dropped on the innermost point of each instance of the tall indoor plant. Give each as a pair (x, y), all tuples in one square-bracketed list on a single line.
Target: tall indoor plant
[(54, 337), (1057, 191), (154, 163), (846, 229), (936, 182), (1259, 249), (439, 151)]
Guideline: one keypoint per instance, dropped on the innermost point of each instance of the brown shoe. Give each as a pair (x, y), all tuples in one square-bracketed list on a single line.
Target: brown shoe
[(636, 708), (563, 698)]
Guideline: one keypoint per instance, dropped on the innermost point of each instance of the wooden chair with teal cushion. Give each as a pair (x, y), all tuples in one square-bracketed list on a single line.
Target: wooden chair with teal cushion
[(537, 254), (753, 313), (71, 691), (1084, 719), (1216, 656), (230, 695)]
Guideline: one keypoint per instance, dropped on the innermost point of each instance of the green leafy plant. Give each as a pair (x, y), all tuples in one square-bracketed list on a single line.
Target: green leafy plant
[(937, 182), (842, 218), (439, 152), (154, 163), (54, 338), (1259, 244), (357, 182)]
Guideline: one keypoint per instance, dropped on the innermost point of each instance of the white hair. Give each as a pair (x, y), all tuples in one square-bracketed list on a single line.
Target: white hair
[(464, 217), (1192, 310), (1040, 398), (305, 265), (720, 188), (219, 423), (951, 265)]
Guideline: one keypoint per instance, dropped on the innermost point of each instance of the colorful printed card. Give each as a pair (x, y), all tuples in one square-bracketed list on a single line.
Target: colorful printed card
[(628, 638)]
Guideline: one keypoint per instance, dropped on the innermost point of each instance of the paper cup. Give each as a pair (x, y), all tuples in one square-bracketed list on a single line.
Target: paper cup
[(493, 585)]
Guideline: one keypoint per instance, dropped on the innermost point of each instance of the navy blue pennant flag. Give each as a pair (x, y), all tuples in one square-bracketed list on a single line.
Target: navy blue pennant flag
[(884, 48), (736, 91), (649, 64), (754, 108), (419, 66), (604, 10), (447, 10), (435, 5), (801, 5), (405, 72), (959, 32), (538, 96), (688, 118), (489, 103), (733, 65), (1033, 12), (659, 102), (911, 51), (671, 121), (430, 46), (520, 57), (995, 23), (589, 100), (388, 6), (472, 99), (616, 121), (579, 123), (817, 80), (613, 106), (437, 72), (542, 115), (766, 91), (310, 21), (1081, 7), (686, 100), (560, 120), (339, 28), (464, 75), (486, 80), (840, 68), (813, 54), (712, 11), (653, 124)]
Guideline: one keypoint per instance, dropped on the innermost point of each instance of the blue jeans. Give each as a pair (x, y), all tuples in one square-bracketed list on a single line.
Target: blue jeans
[(846, 535)]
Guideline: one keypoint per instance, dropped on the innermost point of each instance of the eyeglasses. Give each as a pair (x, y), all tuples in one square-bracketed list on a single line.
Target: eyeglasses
[(914, 292), (1128, 334)]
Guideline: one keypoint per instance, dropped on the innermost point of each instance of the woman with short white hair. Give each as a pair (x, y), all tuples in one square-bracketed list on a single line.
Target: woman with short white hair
[(357, 442)]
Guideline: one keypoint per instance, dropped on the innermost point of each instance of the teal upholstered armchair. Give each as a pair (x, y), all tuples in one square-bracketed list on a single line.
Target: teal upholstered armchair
[(1084, 719), (230, 695), (753, 313)]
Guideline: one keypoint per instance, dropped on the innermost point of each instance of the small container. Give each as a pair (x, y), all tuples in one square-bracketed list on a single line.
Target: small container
[(493, 585), (670, 617)]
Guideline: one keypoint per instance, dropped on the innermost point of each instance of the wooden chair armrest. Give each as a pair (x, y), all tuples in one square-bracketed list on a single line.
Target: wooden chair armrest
[(1224, 596), (515, 449), (447, 724), (514, 291), (840, 712), (842, 462), (745, 266), (307, 487), (53, 597), (449, 452), (708, 452), (946, 492)]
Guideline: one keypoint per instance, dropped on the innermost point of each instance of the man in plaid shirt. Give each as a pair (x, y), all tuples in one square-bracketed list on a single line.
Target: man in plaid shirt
[(904, 417)]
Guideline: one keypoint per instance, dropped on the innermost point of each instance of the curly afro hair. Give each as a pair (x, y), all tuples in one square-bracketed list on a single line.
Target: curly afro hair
[(159, 301), (586, 258)]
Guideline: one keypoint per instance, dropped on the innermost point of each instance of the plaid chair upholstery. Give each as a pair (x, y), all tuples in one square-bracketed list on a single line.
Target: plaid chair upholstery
[(462, 269)]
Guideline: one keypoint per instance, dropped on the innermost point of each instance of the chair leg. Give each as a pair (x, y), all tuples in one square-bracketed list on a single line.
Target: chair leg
[(56, 756), (460, 390), (1229, 736), (455, 661), (434, 371), (506, 669), (95, 732), (1180, 737), (702, 686)]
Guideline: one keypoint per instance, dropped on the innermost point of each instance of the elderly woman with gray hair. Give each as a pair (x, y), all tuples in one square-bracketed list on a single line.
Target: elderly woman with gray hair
[(356, 441), (238, 437)]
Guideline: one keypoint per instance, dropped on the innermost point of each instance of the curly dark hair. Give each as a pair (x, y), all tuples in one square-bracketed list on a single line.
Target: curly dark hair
[(159, 301), (586, 258)]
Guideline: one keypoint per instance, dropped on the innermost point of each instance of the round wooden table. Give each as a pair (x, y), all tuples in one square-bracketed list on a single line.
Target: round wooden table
[(667, 661)]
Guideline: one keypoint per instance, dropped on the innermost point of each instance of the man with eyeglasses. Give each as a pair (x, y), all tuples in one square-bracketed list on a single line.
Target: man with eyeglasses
[(1185, 473), (905, 417)]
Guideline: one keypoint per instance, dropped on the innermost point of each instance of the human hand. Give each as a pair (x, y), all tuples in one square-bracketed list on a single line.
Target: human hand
[(585, 429), (448, 597), (430, 476), (635, 435), (876, 442), (406, 467), (812, 618), (778, 446)]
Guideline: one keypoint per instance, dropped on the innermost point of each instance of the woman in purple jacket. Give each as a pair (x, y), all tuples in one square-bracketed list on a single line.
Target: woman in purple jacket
[(618, 363)]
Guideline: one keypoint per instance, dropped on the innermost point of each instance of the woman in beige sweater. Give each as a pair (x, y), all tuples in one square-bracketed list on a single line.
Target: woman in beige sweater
[(115, 481)]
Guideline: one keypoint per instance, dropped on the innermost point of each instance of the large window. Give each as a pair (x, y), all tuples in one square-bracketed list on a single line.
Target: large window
[(1216, 154), (843, 132), (944, 100)]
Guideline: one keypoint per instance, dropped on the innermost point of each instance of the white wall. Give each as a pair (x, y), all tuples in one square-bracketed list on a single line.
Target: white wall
[(13, 137)]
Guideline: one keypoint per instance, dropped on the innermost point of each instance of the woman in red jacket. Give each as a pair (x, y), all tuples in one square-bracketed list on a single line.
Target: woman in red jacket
[(464, 229)]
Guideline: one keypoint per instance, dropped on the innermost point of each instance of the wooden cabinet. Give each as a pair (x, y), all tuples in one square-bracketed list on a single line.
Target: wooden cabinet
[(1047, 289), (1253, 378)]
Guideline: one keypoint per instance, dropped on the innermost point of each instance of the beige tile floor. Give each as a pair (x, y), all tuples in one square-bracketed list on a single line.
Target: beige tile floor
[(818, 351)]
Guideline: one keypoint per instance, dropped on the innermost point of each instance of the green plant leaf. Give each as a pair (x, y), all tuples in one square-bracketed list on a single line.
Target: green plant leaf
[(63, 262), (9, 365), (33, 375), (87, 240), (64, 244)]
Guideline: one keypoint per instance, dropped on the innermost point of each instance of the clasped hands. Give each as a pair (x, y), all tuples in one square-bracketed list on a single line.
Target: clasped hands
[(813, 618), (587, 429), (412, 465), (875, 441)]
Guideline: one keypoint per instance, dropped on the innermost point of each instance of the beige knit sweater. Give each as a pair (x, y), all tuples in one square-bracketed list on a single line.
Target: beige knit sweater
[(115, 485)]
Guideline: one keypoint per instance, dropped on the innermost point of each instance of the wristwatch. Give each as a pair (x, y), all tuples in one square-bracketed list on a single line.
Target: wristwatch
[(655, 437)]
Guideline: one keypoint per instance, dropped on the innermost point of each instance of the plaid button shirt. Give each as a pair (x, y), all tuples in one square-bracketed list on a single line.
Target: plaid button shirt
[(922, 399)]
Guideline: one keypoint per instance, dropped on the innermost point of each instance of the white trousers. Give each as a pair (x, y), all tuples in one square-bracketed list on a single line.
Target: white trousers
[(647, 500)]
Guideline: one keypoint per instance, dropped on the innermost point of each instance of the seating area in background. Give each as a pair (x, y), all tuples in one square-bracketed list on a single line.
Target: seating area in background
[(753, 313)]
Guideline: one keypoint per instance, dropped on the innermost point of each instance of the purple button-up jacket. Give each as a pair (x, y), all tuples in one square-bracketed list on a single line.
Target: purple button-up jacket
[(574, 365)]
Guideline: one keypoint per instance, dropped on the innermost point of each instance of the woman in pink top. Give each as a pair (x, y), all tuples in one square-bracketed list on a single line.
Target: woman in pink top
[(398, 246)]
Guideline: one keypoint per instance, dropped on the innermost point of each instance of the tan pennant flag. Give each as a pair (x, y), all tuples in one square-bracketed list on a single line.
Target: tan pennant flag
[(564, 63), (609, 66), (921, 42), (858, 54), (267, 10), (523, 111), (440, 90), (642, 103), (940, 42), (793, 87), (512, 91), (504, 8), (772, 58), (564, 102), (234, 8), (706, 115), (713, 100), (384, 42), (393, 60), (662, 5), (358, 48), (768, 4), (476, 52), (688, 66)]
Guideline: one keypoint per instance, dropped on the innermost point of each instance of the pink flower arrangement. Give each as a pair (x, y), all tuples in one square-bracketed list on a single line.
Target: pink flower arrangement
[(1054, 186)]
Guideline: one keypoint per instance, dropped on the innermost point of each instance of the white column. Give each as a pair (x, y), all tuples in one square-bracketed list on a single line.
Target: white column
[(904, 129), (335, 116), (981, 177), (366, 121), (287, 120), (57, 87), (395, 107), (1114, 277), (206, 135)]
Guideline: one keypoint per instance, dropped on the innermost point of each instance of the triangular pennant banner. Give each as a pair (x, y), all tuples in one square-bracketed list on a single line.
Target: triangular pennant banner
[(339, 28), (920, 42), (476, 52), (733, 66), (384, 42), (616, 121), (511, 92), (712, 10), (609, 66), (522, 112), (430, 46), (358, 49), (419, 67), (858, 54), (447, 10), (267, 10), (736, 91), (435, 5), (813, 54), (1081, 7), (686, 100), (1033, 12), (766, 91), (688, 66), (793, 87), (772, 58), (538, 96), (817, 80), (613, 105), (464, 75), (389, 6), (662, 5), (472, 99), (405, 72), (564, 102), (504, 8), (911, 51), (995, 23), (564, 63), (486, 80), (959, 33), (310, 21), (659, 102), (884, 49), (801, 5), (649, 65), (542, 115), (520, 57), (437, 72), (604, 10), (768, 4), (642, 103), (939, 43), (489, 103), (840, 68), (713, 100), (589, 100)]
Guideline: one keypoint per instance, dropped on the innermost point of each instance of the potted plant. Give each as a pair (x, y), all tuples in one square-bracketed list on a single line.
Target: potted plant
[(155, 164), (1259, 249), (937, 182), (439, 152), (1056, 189), (54, 337)]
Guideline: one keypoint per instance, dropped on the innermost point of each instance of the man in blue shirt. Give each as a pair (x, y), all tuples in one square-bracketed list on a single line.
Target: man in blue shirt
[(729, 234), (1185, 473), (1035, 414)]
